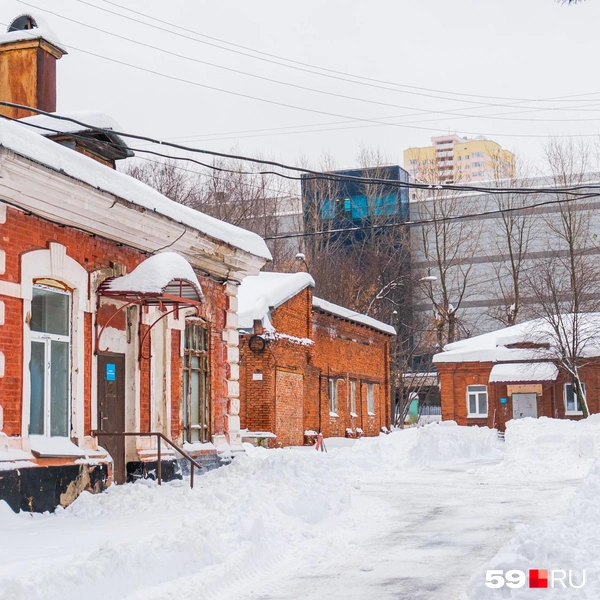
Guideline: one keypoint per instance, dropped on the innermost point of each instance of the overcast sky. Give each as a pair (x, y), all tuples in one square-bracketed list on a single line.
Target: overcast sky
[(475, 58)]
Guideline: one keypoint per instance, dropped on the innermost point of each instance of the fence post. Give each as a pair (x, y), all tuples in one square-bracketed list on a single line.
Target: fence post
[(159, 462)]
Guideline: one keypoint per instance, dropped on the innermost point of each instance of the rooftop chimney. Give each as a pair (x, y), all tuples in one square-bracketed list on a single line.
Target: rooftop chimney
[(28, 55)]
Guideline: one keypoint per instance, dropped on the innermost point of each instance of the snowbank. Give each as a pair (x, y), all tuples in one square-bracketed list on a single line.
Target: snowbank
[(558, 447), (570, 542), (446, 442), (237, 519)]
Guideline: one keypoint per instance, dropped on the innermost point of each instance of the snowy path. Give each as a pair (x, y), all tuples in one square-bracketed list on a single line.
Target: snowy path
[(408, 516), (432, 542)]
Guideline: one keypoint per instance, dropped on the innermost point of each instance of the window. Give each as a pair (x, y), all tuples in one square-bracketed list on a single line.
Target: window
[(371, 398), (477, 154), (50, 361), (353, 397), (467, 157), (572, 403), (333, 396), (196, 414), (477, 403)]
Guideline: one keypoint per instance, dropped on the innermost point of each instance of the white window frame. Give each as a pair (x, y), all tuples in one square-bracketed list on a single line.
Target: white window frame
[(332, 392), (477, 393), (370, 398), (45, 338), (54, 263), (570, 385), (352, 394)]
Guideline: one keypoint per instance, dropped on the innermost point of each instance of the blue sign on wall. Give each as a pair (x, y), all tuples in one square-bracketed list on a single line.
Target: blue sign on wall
[(502, 400), (111, 372)]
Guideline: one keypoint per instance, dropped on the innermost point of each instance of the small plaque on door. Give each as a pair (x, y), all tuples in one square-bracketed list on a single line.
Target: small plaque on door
[(111, 372)]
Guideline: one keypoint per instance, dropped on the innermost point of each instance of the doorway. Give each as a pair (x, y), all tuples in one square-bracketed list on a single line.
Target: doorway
[(524, 405), (111, 409)]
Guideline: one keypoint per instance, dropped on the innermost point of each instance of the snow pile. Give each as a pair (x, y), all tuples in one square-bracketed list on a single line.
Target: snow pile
[(351, 315), (568, 542), (154, 274), (260, 293), (557, 447), (95, 119), (40, 30), (18, 138), (446, 442), (240, 518)]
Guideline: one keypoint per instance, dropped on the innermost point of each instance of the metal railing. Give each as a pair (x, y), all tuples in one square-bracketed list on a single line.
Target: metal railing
[(159, 437)]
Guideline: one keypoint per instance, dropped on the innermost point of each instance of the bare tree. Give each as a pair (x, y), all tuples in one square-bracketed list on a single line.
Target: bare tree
[(447, 249), (512, 240), (234, 192), (565, 283)]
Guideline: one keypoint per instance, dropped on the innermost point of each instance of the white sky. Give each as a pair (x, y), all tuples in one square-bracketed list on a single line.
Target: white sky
[(521, 49)]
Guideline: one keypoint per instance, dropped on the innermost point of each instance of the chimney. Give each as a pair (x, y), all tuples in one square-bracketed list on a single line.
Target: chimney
[(28, 55)]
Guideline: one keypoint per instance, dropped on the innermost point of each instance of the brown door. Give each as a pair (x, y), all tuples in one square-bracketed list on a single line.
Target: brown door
[(111, 409)]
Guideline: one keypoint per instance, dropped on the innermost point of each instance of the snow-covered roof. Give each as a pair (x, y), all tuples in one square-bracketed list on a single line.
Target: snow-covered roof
[(258, 294), (93, 118), (351, 315), (41, 30), (529, 372), (17, 138), (495, 346), (154, 275)]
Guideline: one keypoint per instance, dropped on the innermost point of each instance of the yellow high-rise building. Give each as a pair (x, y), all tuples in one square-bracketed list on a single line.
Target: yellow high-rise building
[(454, 159)]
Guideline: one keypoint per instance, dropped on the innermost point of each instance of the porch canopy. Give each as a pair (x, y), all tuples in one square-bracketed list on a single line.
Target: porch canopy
[(163, 280), (526, 372)]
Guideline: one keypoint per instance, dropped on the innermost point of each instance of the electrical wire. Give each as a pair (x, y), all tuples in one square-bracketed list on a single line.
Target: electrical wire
[(328, 176), (295, 107), (180, 28), (388, 225), (325, 92)]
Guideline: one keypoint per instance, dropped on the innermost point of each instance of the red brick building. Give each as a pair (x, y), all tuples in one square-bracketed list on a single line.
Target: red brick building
[(100, 327), (307, 365), (513, 373)]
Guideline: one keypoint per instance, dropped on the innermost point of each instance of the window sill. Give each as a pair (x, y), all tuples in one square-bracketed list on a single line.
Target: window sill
[(354, 415), (48, 447), (370, 414), (333, 414), (573, 413), (477, 416)]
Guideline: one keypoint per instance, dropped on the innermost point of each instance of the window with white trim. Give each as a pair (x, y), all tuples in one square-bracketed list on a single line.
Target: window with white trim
[(477, 401), (572, 402), (371, 398), (332, 388), (352, 397), (50, 366), (196, 401)]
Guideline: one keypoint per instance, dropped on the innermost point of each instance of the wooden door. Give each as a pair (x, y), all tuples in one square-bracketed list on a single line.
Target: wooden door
[(111, 409)]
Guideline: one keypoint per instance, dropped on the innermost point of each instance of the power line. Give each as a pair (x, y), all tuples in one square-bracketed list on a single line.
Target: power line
[(572, 189), (180, 28), (306, 88), (292, 106), (328, 176), (495, 116)]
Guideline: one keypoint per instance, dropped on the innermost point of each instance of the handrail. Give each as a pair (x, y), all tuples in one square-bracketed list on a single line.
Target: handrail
[(159, 437)]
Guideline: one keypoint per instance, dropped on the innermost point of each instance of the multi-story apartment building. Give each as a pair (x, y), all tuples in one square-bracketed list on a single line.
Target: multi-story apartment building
[(454, 159)]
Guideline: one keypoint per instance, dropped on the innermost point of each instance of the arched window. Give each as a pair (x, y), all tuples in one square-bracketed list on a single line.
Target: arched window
[(50, 370)]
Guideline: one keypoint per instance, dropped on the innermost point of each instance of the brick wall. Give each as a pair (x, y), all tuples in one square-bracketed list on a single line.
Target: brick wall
[(23, 233), (350, 351), (456, 377), (342, 349)]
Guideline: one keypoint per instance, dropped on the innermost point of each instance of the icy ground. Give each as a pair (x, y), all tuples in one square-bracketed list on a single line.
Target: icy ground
[(418, 514)]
